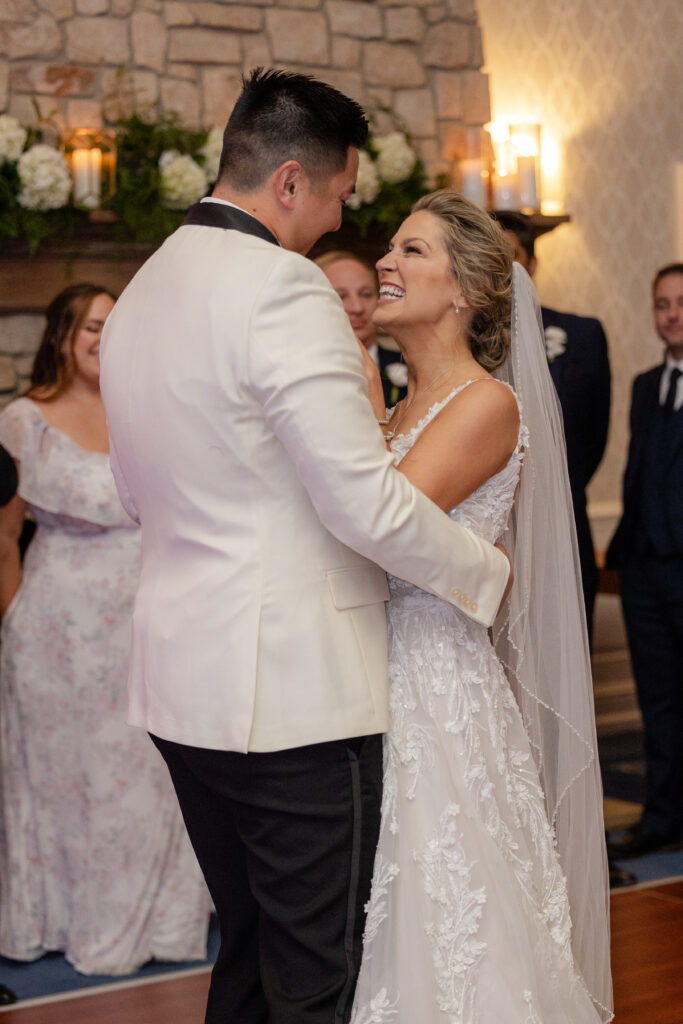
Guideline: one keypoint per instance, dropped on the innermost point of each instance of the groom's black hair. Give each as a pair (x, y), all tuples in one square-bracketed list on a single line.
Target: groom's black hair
[(281, 116)]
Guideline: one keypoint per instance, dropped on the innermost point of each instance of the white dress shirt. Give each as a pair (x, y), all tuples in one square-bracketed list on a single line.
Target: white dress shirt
[(666, 379)]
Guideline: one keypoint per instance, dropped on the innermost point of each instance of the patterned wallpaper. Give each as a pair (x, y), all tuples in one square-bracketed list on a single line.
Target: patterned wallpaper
[(605, 79)]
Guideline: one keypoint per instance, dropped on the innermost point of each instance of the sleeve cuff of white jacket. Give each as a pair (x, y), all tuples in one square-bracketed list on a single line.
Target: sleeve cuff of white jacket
[(506, 569), (507, 576)]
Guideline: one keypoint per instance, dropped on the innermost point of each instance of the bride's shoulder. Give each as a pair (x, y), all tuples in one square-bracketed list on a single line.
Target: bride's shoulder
[(484, 416), (486, 396)]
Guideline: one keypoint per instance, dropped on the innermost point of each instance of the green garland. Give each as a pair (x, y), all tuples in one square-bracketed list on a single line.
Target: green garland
[(137, 203), (137, 199)]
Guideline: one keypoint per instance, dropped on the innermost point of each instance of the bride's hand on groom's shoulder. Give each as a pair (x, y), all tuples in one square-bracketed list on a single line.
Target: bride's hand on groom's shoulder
[(375, 390)]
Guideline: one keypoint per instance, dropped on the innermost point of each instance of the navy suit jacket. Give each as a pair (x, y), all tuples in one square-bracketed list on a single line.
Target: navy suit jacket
[(581, 375), (644, 401), (392, 393)]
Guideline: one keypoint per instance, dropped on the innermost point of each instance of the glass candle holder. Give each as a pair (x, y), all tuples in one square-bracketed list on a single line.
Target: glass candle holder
[(472, 171)]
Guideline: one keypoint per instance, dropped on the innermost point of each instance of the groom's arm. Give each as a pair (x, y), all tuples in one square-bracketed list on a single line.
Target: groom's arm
[(306, 371)]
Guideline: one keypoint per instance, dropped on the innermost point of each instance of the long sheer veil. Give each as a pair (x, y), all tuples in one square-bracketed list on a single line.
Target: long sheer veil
[(540, 636)]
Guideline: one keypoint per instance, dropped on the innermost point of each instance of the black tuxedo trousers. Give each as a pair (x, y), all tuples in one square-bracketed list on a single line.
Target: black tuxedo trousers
[(286, 842)]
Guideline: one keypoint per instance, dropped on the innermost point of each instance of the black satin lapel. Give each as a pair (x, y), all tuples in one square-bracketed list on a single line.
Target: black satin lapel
[(218, 215)]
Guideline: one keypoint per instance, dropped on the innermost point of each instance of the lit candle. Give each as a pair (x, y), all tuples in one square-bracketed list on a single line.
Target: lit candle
[(526, 176), (551, 178), (472, 181), (505, 191), (86, 167)]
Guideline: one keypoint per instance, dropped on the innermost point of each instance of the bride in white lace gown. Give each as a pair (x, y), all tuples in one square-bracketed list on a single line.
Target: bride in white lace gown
[(469, 919)]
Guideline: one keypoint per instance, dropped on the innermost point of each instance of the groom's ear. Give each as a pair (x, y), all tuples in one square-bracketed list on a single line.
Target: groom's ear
[(287, 183)]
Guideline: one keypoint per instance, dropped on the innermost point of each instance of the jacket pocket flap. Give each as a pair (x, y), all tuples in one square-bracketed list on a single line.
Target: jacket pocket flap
[(356, 586)]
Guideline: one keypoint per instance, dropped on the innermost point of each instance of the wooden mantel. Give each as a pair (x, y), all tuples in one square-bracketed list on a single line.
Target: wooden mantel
[(29, 283)]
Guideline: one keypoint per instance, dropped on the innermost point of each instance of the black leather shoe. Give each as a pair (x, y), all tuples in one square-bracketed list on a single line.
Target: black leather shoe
[(7, 996), (637, 842), (618, 878)]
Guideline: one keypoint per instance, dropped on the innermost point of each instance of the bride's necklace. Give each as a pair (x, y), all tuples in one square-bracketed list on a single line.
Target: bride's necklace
[(391, 434)]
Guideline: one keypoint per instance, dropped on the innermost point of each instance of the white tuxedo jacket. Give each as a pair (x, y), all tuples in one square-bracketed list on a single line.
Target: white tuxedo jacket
[(243, 441)]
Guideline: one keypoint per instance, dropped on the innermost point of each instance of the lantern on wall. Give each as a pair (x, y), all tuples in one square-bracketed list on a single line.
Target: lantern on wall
[(91, 155)]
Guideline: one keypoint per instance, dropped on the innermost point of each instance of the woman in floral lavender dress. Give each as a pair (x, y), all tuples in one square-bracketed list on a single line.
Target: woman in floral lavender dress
[(94, 857)]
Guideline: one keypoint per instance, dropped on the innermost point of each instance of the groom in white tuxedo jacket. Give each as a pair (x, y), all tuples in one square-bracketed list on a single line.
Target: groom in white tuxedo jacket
[(243, 442)]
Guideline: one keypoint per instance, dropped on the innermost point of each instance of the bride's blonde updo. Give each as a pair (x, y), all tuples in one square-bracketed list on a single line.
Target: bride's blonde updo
[(481, 259)]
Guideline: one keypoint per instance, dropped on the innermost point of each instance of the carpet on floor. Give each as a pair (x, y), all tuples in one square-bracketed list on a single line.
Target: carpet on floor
[(53, 975), (623, 774)]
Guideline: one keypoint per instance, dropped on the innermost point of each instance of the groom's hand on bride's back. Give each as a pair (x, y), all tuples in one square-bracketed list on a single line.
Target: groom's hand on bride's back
[(511, 577)]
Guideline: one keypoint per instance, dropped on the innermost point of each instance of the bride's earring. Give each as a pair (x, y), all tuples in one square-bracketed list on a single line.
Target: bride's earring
[(457, 308)]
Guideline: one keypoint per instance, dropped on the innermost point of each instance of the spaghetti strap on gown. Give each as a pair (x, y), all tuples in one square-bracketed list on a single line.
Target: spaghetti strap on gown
[(468, 920), (94, 856)]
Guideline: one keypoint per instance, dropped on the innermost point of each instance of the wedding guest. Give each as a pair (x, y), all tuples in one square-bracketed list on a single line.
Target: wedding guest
[(576, 347), (8, 488), (648, 546), (94, 857), (355, 282)]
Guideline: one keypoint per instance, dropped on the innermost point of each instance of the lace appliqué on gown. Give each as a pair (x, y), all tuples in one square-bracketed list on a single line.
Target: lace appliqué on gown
[(468, 921)]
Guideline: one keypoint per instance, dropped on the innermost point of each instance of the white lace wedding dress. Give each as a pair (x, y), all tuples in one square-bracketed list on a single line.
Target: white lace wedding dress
[(468, 921)]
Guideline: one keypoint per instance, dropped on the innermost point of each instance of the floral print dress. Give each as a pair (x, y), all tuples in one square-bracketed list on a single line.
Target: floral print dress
[(94, 857)]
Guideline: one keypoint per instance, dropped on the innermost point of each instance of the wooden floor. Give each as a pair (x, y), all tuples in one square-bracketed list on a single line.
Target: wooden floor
[(647, 965)]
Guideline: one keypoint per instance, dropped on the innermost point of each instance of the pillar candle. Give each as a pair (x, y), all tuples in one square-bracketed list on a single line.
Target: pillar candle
[(86, 167), (472, 181), (526, 175)]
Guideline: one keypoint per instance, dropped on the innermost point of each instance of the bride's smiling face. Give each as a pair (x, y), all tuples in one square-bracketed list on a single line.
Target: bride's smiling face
[(416, 283)]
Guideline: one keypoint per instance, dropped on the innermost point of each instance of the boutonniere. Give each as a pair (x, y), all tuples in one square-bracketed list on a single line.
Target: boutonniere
[(397, 375), (555, 342)]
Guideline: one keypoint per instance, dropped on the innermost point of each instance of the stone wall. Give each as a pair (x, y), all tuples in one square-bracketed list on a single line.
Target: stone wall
[(19, 339), (81, 61)]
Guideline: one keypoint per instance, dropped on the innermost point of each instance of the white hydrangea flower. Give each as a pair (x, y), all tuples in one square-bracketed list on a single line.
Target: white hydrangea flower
[(183, 182), (12, 138), (44, 176), (395, 158), (367, 182), (555, 342), (211, 151)]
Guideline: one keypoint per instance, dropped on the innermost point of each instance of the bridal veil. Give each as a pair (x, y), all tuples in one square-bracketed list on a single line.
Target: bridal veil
[(541, 638)]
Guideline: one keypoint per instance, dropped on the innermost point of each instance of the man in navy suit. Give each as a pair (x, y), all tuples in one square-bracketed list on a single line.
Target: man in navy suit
[(577, 356), (648, 547)]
